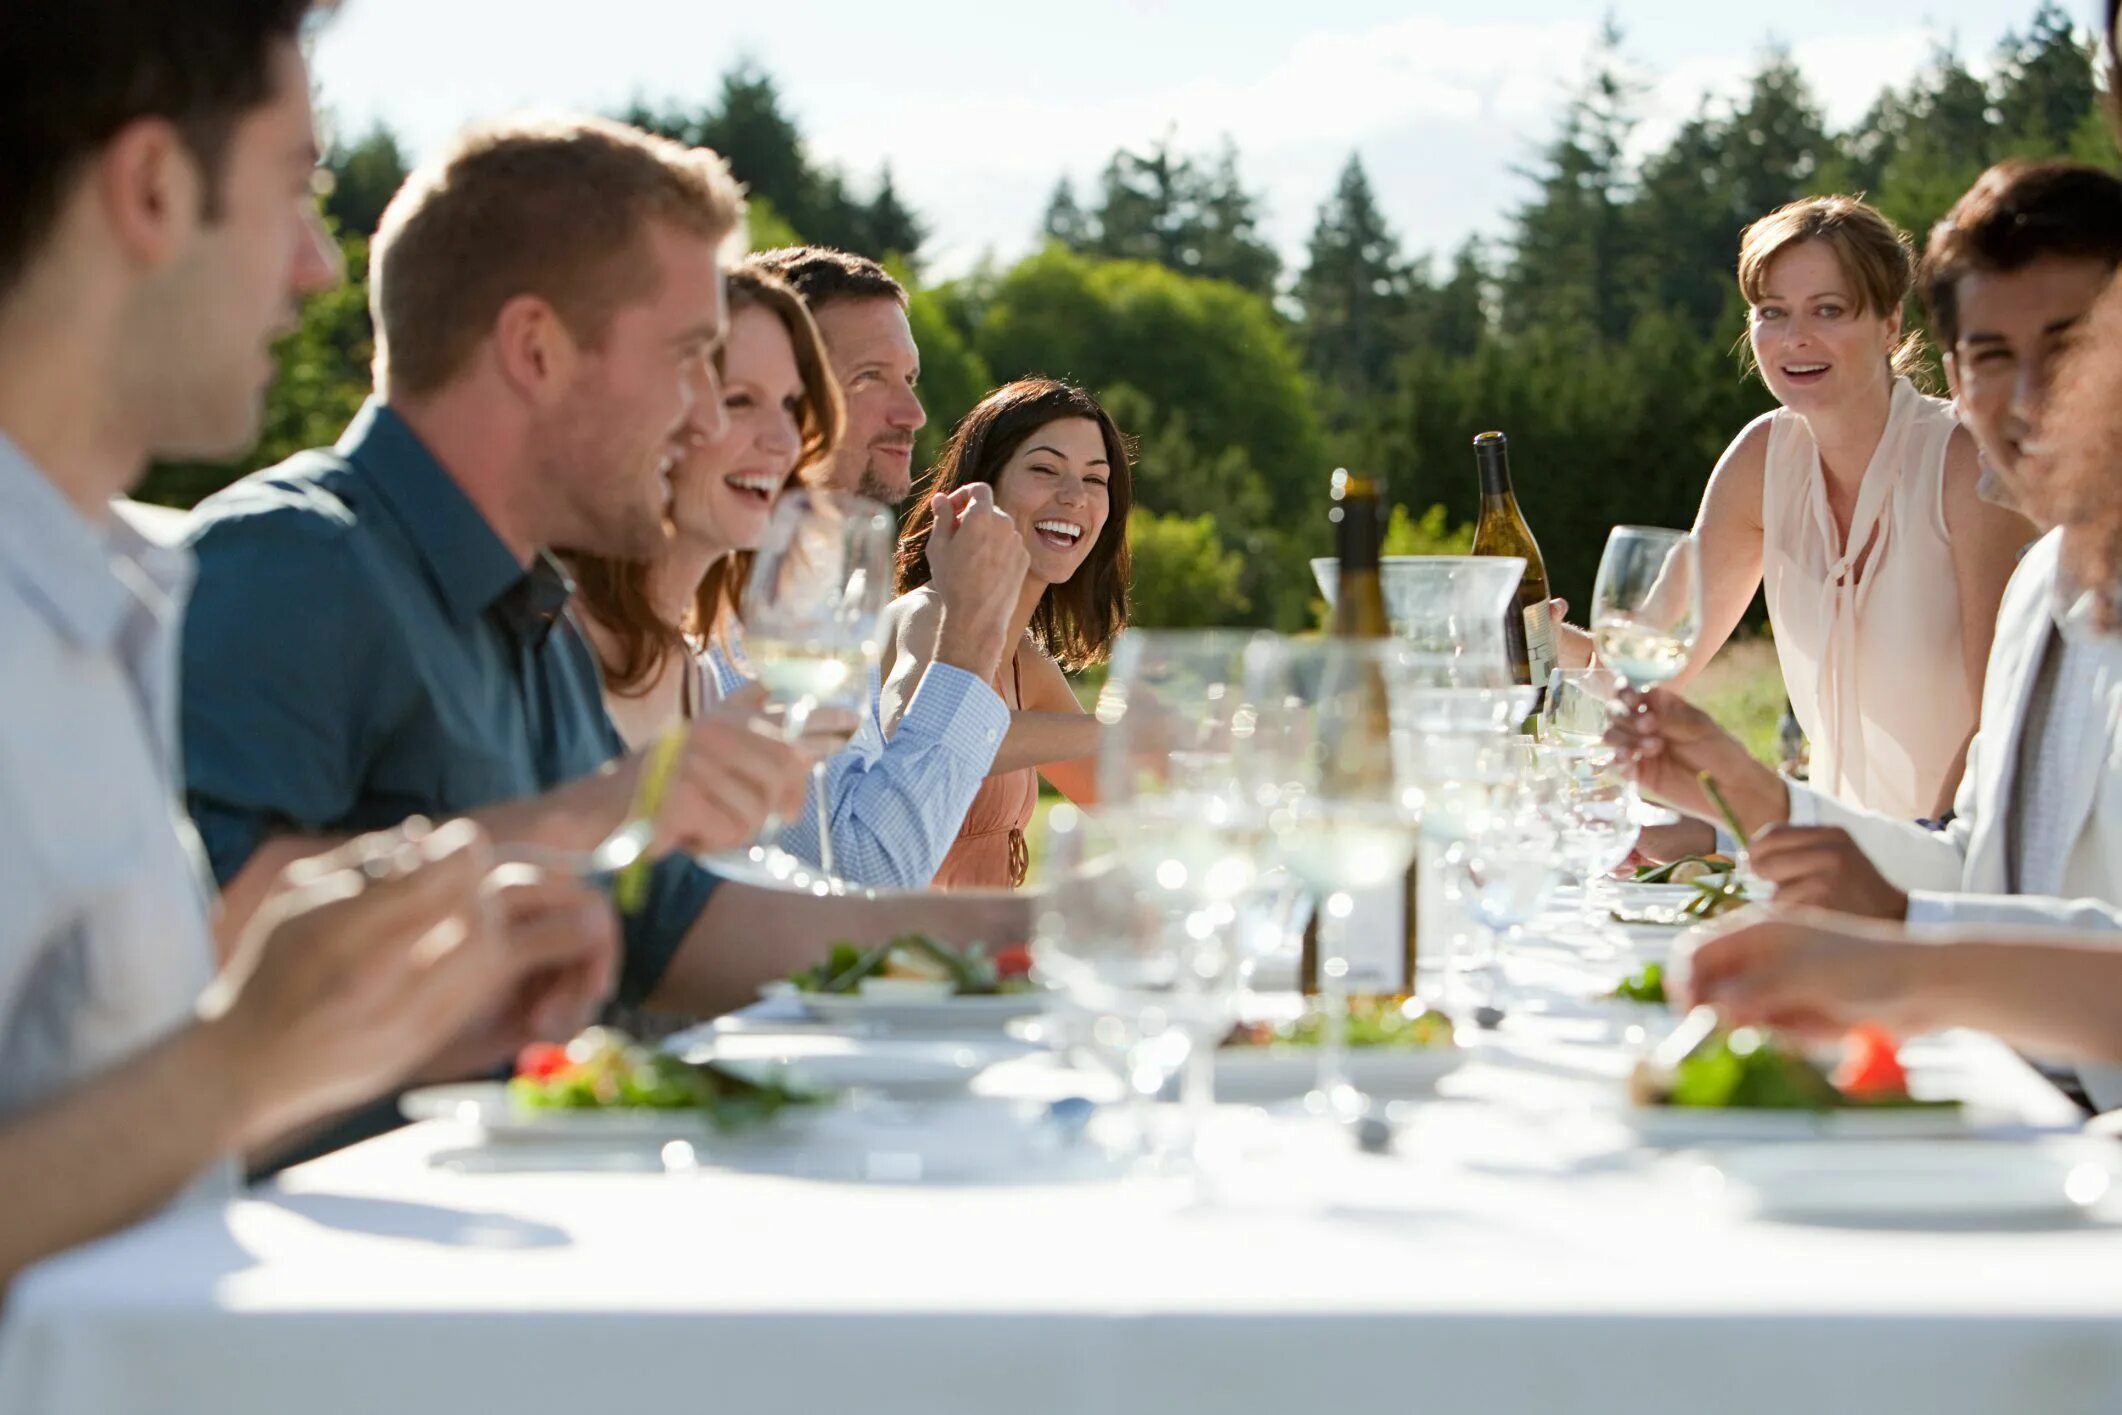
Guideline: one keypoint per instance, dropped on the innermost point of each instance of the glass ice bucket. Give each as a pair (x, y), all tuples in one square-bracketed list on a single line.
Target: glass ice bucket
[(1453, 609)]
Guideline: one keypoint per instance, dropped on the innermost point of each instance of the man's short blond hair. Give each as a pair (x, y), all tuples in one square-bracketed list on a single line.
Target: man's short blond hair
[(558, 207)]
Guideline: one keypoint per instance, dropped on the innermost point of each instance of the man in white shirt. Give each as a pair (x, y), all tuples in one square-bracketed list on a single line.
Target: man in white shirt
[(157, 230)]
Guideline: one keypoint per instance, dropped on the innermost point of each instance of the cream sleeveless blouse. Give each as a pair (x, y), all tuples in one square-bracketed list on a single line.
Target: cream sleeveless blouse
[(1870, 642)]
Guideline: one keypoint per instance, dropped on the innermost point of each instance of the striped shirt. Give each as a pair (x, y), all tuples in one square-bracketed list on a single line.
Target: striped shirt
[(896, 804)]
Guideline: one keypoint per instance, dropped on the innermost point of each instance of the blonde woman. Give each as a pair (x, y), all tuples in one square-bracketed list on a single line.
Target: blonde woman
[(1854, 506)]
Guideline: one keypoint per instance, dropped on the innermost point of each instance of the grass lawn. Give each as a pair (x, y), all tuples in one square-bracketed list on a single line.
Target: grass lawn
[(1743, 689)]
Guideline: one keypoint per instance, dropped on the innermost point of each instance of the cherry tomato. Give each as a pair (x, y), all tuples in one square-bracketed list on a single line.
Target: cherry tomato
[(1871, 1065), (541, 1061), (1013, 962)]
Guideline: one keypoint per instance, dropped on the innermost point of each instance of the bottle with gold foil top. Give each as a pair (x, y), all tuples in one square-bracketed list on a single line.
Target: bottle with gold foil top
[(1501, 530), (1380, 933)]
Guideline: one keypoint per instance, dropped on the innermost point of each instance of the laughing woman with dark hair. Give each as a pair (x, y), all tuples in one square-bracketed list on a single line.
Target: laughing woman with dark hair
[(1046, 453)]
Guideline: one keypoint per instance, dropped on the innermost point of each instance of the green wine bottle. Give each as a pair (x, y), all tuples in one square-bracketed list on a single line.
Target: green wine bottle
[(1529, 629)]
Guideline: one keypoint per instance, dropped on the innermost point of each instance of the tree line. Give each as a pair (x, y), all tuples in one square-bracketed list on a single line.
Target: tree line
[(1599, 330)]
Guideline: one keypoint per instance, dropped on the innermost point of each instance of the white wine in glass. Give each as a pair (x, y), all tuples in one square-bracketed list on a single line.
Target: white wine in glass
[(812, 613), (1647, 604)]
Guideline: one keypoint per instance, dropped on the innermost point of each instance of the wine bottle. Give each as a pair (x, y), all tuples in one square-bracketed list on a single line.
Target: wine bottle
[(1529, 629), (1358, 518), (1379, 935)]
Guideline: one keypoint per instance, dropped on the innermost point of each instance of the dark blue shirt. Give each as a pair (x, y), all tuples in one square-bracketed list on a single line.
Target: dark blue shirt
[(362, 647)]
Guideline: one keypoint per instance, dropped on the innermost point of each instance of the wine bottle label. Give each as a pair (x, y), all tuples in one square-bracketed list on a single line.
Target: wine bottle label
[(1540, 650), (1373, 940)]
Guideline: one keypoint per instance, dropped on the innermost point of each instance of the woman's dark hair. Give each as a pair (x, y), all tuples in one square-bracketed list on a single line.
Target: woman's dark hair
[(1077, 621), (615, 592)]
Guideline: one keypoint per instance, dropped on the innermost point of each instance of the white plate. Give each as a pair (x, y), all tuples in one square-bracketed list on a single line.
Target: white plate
[(1257, 1075), (1922, 1182), (486, 1106), (971, 1014), (1679, 1125), (1637, 896), (906, 1067)]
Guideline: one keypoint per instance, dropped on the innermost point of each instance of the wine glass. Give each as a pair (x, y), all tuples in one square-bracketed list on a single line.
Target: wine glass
[(1647, 604), (811, 612), (1150, 990), (1594, 812), (1175, 717), (1503, 868), (1579, 700), (1337, 779)]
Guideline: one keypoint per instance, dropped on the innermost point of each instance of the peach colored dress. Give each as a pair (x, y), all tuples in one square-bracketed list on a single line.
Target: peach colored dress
[(1868, 631), (990, 852)]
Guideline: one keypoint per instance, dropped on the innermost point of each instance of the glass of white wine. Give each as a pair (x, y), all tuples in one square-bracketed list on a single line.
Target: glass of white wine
[(1175, 718), (1579, 701), (812, 610), (1647, 604), (1333, 763)]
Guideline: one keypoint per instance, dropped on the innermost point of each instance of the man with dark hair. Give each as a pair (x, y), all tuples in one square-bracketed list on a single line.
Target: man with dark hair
[(157, 231), (861, 313), (2007, 276)]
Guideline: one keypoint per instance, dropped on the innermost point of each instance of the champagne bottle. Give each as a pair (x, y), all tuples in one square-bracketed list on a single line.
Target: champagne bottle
[(1501, 530), (1379, 934)]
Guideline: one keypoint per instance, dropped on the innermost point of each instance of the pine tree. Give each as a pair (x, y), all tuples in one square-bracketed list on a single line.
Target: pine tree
[(748, 126), (364, 178), (1569, 240), (1354, 289), (1162, 206), (1065, 221), (1778, 148), (891, 227), (2044, 83), (1459, 321), (1226, 229)]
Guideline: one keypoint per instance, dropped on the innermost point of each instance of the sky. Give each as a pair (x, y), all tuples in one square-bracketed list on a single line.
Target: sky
[(979, 106)]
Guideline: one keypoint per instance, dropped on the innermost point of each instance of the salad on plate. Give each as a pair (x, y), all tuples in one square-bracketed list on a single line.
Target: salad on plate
[(604, 1069), (915, 967), (1750, 1085)]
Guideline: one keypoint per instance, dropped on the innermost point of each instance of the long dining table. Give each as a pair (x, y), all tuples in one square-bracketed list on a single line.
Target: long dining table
[(1516, 1247)]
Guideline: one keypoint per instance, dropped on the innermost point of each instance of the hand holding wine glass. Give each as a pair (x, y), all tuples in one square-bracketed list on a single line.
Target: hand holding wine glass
[(812, 611), (1647, 604)]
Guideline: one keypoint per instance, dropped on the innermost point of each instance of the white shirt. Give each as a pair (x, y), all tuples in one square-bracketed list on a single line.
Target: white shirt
[(104, 938), (897, 803)]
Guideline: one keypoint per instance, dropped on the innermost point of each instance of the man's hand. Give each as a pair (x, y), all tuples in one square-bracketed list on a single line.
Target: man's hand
[(1807, 973), (564, 943), (1821, 866), (736, 772), (1669, 742), (976, 561), (358, 970)]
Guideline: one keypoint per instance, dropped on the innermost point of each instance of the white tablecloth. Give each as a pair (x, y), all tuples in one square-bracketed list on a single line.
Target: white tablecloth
[(1515, 1254)]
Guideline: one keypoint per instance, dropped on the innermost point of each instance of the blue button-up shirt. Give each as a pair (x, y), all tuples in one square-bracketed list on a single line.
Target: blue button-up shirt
[(362, 647), (897, 804), (104, 944)]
